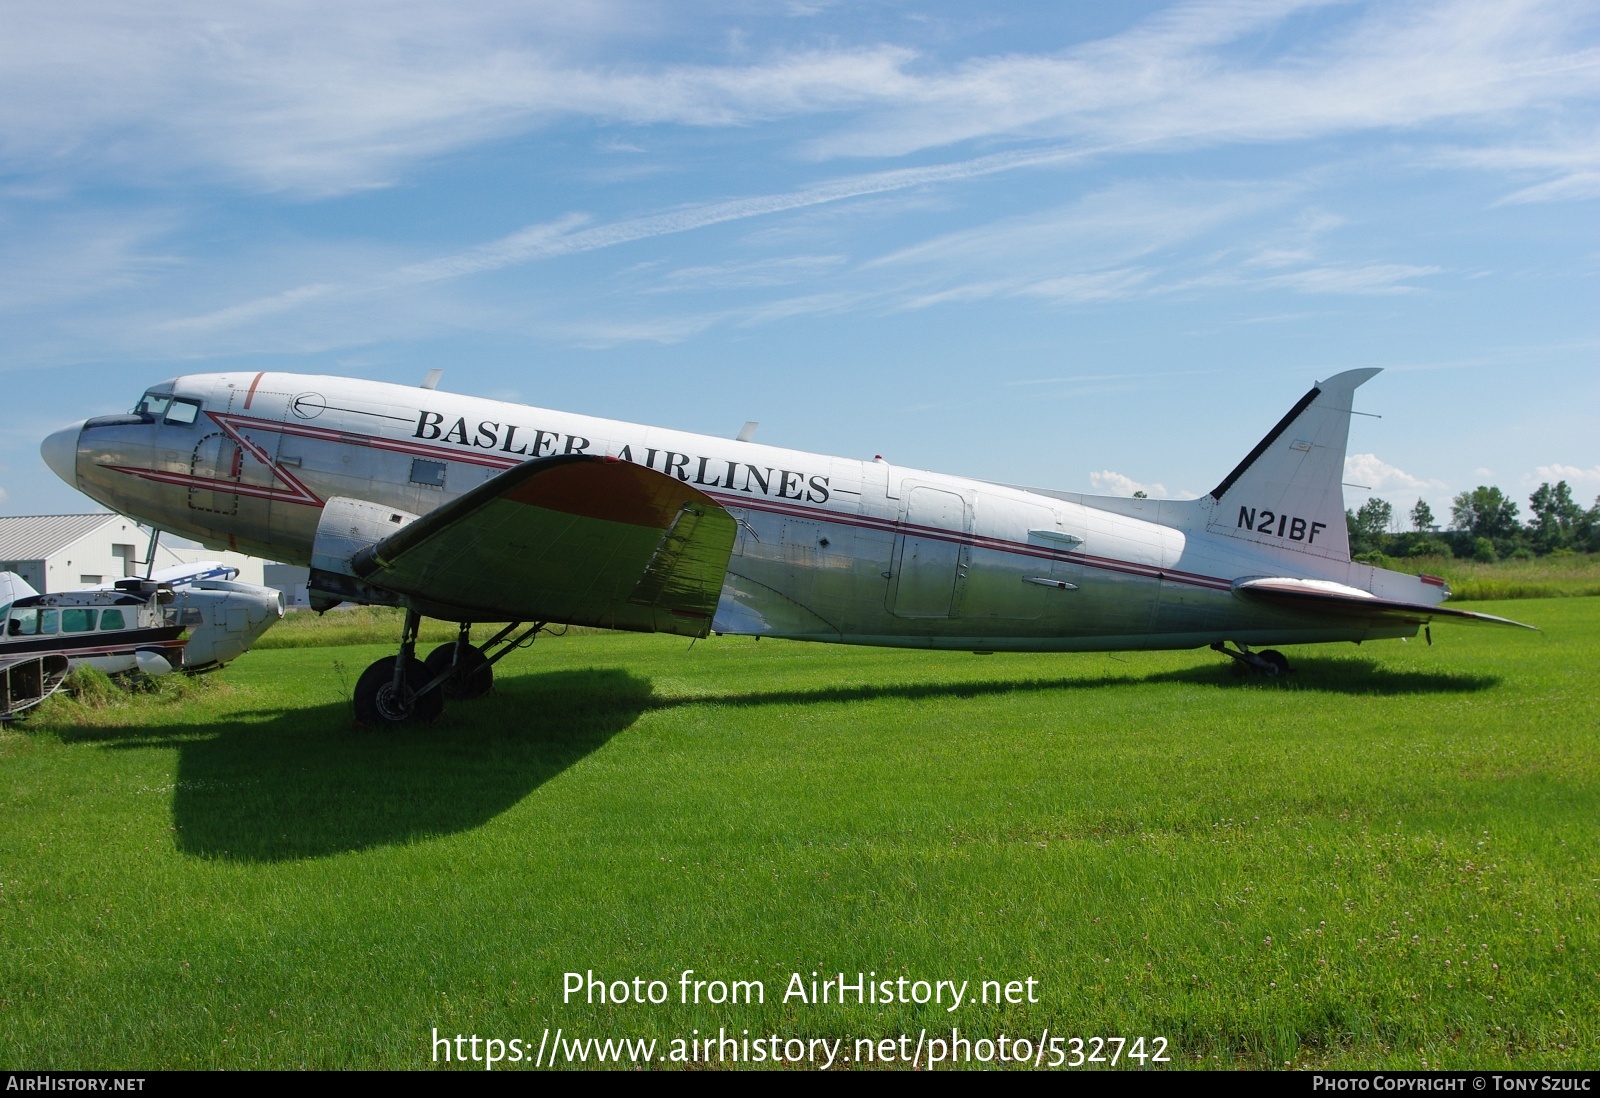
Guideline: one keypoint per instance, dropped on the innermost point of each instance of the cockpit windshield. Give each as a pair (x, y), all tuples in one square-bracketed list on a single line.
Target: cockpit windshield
[(152, 404), (164, 406)]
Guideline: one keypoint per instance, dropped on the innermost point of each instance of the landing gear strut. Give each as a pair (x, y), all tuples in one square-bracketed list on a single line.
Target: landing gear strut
[(401, 688), (398, 688), (1269, 662), (468, 672)]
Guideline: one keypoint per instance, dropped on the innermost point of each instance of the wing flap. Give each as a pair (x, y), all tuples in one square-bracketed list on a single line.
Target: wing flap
[(1337, 600), (575, 539)]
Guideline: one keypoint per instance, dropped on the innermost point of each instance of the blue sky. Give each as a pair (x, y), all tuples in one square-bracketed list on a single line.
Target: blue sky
[(1090, 247)]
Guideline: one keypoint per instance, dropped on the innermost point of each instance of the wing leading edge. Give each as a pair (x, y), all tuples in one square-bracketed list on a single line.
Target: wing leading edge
[(1336, 600), (576, 539)]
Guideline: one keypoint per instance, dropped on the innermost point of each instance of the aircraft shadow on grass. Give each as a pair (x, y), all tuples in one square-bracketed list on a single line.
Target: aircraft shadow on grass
[(1335, 676), (291, 784), (285, 785)]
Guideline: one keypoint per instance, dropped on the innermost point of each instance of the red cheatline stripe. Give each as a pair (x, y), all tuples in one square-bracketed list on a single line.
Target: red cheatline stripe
[(251, 395), (301, 494), (298, 491), (184, 480)]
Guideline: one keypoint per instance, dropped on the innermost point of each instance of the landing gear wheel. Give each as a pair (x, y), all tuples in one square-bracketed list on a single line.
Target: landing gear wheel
[(1280, 663), (379, 705), (472, 677)]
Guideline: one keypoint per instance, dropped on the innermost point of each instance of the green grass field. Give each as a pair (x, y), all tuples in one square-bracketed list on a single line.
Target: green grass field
[(1555, 576), (1388, 858)]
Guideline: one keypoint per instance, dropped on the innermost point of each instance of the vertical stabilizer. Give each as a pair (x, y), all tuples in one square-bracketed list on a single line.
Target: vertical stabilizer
[(1289, 493), (13, 587)]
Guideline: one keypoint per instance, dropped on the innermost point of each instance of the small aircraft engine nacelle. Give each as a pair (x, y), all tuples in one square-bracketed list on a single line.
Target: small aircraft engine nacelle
[(348, 526)]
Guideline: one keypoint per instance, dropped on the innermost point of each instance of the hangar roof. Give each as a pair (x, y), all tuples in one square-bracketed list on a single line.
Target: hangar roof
[(35, 537)]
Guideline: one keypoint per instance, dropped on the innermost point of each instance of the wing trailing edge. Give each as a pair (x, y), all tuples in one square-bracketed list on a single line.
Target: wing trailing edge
[(576, 539)]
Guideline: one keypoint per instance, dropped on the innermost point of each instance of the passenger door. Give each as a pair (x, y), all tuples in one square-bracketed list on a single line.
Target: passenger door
[(932, 555)]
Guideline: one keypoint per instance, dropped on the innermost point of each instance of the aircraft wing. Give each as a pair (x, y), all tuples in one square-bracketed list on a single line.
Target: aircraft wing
[(26, 680), (578, 539), (1351, 603)]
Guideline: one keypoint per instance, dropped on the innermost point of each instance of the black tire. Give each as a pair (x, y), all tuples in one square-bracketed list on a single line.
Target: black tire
[(377, 705), (473, 676), (1279, 662)]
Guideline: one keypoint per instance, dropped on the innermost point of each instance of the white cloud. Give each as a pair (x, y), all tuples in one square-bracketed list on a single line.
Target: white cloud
[(1374, 473), (324, 99), (1571, 187), (1570, 473), (330, 98), (1109, 483), (1176, 79), (1371, 278), (574, 234), (1569, 161), (47, 258), (746, 274)]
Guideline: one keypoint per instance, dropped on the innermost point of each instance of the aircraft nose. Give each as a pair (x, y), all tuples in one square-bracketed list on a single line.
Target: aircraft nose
[(60, 452)]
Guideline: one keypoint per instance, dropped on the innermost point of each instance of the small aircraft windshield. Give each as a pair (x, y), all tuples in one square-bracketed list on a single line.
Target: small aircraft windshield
[(29, 622)]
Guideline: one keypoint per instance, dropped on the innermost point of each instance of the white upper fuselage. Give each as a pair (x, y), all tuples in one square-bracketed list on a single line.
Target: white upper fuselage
[(829, 548)]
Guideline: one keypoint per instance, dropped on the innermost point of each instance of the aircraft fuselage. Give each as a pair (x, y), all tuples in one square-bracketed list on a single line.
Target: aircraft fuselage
[(829, 548)]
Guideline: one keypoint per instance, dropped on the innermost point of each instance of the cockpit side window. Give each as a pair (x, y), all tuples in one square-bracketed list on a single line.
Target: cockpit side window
[(183, 412)]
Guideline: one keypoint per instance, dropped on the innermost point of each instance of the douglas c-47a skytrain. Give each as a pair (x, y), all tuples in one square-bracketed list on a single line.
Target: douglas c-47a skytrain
[(473, 511)]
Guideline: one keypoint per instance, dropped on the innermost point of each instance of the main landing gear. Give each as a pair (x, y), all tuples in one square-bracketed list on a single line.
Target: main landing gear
[(1269, 662), (401, 688)]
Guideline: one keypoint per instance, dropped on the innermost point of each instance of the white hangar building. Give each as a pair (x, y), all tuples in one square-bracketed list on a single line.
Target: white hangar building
[(67, 552)]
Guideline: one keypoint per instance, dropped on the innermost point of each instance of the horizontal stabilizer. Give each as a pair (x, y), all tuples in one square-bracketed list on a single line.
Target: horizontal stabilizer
[(576, 539), (1336, 600)]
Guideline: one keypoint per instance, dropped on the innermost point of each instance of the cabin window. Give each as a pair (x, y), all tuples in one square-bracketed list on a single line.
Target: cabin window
[(78, 620), (112, 619), (193, 615), (430, 474), (183, 412)]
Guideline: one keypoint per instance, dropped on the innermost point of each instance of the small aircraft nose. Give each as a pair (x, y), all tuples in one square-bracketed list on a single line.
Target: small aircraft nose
[(60, 452)]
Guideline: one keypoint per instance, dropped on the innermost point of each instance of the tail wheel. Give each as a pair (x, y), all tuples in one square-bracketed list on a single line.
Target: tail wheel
[(1279, 662), (379, 704), (473, 674)]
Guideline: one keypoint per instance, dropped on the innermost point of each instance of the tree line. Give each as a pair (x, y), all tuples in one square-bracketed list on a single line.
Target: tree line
[(1484, 525)]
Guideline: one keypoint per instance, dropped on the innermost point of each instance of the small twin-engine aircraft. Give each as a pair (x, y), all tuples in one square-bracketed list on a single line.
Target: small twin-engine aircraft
[(473, 511), (193, 617), (26, 678)]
